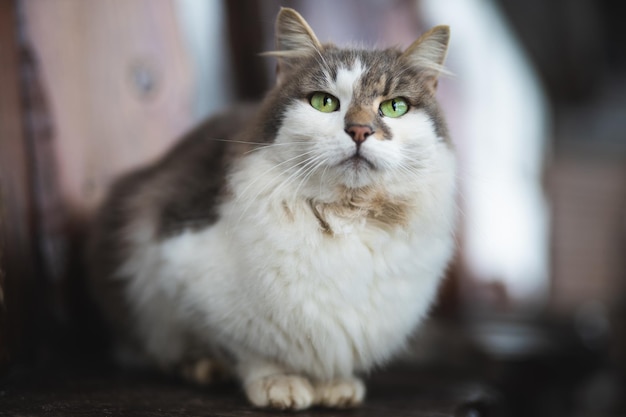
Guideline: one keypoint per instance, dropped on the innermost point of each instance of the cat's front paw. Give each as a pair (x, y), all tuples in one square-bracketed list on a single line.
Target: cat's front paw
[(341, 393), (285, 392)]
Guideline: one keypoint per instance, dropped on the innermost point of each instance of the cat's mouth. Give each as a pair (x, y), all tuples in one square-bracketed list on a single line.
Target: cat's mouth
[(358, 161)]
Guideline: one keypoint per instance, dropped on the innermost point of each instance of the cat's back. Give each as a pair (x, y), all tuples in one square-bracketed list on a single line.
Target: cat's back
[(180, 189)]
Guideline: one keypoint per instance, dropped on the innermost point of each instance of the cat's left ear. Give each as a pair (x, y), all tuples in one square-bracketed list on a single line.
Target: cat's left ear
[(294, 39), (429, 53)]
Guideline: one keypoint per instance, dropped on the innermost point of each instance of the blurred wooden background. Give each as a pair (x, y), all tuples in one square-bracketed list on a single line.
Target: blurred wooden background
[(117, 79)]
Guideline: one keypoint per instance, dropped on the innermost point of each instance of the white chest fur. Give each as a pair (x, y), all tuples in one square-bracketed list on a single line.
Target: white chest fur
[(268, 281)]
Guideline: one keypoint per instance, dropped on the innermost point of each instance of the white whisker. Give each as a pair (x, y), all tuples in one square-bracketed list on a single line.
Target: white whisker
[(272, 145), (296, 175), (322, 178), (305, 162), (308, 175), (233, 141), (271, 168)]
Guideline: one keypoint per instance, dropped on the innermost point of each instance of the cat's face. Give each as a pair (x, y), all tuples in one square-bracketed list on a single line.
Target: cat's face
[(354, 118)]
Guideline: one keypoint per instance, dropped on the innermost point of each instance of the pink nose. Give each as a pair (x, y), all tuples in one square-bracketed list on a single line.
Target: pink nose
[(359, 133)]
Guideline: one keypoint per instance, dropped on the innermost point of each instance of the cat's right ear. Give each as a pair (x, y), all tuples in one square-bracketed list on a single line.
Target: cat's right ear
[(294, 39)]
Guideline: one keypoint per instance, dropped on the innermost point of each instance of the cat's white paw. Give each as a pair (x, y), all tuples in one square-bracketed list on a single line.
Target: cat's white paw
[(286, 392), (342, 393)]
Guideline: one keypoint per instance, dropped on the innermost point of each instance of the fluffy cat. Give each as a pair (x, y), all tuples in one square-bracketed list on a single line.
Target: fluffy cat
[(301, 251)]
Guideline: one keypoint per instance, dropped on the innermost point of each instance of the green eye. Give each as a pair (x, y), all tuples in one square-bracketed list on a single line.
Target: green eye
[(324, 102), (395, 107)]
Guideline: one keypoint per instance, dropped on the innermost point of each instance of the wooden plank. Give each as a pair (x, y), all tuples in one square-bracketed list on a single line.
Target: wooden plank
[(17, 260), (119, 83)]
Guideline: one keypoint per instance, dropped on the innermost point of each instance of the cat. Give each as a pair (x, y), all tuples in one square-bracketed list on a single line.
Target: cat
[(296, 245)]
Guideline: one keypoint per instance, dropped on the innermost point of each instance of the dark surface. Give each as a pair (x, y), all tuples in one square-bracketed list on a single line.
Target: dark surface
[(100, 390), (485, 369)]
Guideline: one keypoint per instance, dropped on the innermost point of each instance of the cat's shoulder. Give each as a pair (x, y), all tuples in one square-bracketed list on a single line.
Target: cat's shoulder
[(183, 188)]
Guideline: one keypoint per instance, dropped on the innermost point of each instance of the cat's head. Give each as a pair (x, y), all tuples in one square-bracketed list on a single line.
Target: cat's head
[(353, 117)]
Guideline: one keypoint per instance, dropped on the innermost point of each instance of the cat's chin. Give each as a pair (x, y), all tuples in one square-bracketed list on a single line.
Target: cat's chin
[(357, 172)]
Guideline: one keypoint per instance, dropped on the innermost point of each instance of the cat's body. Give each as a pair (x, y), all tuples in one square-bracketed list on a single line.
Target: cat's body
[(306, 248)]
